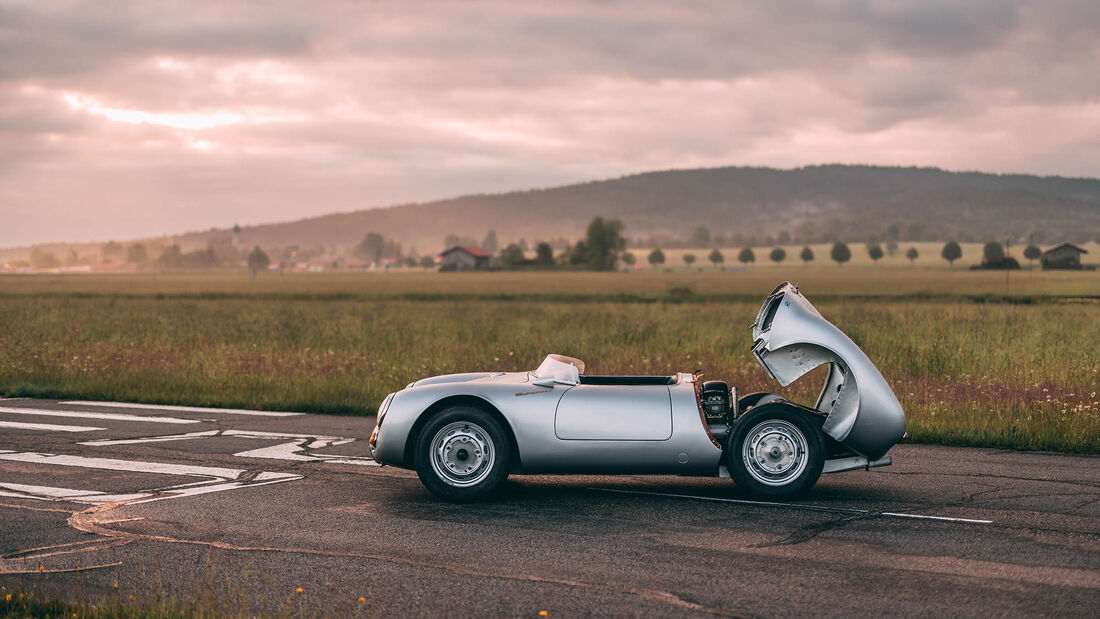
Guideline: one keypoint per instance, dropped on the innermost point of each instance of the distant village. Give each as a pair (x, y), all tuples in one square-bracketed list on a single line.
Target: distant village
[(603, 248)]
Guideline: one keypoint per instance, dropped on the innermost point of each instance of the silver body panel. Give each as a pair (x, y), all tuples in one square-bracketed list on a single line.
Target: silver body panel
[(791, 338), (854, 463), (563, 425), (594, 412), (569, 428)]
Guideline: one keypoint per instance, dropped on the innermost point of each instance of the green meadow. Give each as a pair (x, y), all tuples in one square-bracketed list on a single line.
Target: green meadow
[(973, 362)]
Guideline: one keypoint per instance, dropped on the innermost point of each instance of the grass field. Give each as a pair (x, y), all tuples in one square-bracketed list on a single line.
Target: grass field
[(748, 283), (970, 365)]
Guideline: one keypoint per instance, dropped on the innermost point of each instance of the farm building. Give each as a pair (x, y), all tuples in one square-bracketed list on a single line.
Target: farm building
[(464, 258), (1063, 256)]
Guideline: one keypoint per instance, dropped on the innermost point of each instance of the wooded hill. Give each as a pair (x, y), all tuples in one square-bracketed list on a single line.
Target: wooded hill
[(818, 203), (812, 204)]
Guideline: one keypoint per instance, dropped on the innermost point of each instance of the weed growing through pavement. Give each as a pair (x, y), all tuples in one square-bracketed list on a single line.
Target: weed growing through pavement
[(145, 591)]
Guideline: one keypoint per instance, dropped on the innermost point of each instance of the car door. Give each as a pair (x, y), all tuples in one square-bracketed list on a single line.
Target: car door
[(614, 413)]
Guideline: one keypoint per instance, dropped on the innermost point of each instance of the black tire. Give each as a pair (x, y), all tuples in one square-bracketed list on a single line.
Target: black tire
[(789, 451), (467, 437)]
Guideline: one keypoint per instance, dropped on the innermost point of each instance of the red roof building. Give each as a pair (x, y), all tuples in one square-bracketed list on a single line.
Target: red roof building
[(464, 258)]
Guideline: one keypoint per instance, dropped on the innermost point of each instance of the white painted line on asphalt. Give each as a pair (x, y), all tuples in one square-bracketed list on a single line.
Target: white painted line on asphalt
[(90, 415), (60, 493), (298, 449), (803, 506), (219, 479), (151, 439), (121, 465), (184, 409), (64, 494), (944, 518), (326, 440), (49, 427)]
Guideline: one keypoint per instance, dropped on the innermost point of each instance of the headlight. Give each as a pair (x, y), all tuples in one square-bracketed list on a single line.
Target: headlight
[(384, 406)]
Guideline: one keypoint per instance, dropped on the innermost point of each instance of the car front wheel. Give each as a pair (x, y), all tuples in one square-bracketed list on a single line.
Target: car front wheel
[(462, 454), (775, 452)]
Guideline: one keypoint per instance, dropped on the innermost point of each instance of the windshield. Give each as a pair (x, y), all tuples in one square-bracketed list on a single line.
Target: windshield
[(560, 367)]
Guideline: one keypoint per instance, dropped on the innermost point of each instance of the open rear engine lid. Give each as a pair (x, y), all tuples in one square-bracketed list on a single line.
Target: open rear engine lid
[(790, 338)]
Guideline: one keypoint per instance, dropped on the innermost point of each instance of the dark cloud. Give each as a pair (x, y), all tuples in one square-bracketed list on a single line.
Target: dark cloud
[(122, 119)]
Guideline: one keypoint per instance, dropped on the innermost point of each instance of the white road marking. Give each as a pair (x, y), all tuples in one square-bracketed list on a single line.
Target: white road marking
[(90, 415), (62, 494), (152, 439), (184, 409), (297, 449), (120, 465), (218, 479), (49, 427), (803, 506), (328, 440), (944, 518)]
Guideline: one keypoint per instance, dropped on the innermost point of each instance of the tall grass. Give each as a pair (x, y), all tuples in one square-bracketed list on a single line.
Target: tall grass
[(749, 283), (1004, 375)]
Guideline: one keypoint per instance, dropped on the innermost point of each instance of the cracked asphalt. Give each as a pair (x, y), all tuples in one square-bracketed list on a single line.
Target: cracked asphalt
[(82, 510)]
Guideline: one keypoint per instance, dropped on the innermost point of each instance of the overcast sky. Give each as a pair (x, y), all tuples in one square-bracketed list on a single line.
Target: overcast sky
[(127, 119)]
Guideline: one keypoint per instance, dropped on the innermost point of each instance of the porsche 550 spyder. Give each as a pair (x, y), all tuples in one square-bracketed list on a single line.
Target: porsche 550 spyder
[(465, 433)]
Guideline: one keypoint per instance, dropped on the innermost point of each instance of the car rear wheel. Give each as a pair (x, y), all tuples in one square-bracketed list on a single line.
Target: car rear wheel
[(462, 454), (775, 451)]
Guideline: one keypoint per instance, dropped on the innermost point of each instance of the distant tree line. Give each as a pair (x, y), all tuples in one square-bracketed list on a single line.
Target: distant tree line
[(604, 246), (888, 239)]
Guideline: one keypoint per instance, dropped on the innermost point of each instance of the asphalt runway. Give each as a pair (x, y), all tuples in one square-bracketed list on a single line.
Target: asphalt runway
[(93, 495)]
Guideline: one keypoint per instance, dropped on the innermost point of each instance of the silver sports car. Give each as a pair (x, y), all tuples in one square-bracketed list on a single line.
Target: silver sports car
[(464, 433)]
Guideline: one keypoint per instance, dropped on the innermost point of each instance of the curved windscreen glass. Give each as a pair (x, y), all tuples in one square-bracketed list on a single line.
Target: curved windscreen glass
[(560, 367)]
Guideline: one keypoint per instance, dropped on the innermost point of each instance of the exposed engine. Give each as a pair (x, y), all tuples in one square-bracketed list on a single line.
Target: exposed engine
[(717, 400)]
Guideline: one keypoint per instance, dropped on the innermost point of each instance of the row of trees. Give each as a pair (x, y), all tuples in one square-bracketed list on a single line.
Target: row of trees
[(889, 239), (604, 247), (840, 253), (601, 249)]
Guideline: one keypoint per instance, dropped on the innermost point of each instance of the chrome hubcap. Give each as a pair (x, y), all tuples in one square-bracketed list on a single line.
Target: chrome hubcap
[(775, 452), (462, 454)]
